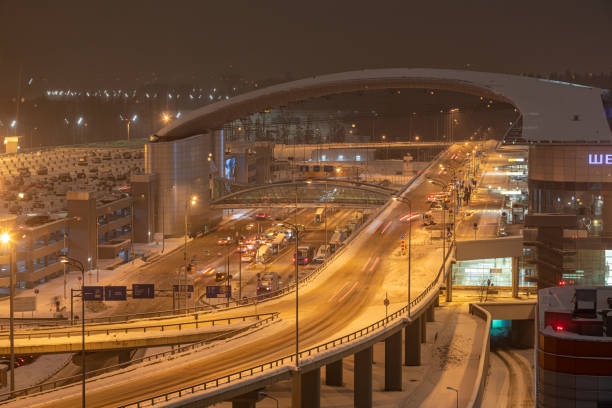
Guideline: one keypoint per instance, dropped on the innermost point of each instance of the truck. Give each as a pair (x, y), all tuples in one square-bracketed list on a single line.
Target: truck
[(264, 253), (323, 252), (433, 217), (337, 239), (319, 215), (304, 255)]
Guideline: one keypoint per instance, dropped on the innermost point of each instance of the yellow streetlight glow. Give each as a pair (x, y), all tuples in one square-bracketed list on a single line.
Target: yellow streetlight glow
[(5, 238), (21, 195), (165, 117), (353, 125)]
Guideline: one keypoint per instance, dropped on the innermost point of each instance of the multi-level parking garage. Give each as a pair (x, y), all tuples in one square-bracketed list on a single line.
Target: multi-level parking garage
[(35, 202)]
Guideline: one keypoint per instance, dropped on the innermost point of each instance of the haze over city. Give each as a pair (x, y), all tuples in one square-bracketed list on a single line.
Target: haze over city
[(305, 204)]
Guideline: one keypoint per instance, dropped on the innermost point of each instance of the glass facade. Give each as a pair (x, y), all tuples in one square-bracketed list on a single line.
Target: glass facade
[(477, 272)]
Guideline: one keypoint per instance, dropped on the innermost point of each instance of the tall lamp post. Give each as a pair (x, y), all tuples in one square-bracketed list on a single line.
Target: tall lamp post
[(77, 264), (6, 239), (128, 121), (457, 394), (297, 239), (193, 201), (409, 243)]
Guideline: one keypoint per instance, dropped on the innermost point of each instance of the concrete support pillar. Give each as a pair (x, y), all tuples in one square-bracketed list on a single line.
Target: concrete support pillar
[(363, 379), (333, 374), (412, 344), (430, 314), (437, 300), (306, 389), (393, 362), (515, 277), (423, 329)]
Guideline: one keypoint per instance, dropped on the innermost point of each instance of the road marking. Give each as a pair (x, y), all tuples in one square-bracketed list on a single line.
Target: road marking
[(365, 265), (374, 264), (349, 291), (338, 291), (386, 226)]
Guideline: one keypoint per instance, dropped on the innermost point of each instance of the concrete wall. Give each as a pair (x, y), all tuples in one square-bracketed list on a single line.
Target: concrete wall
[(570, 163), (183, 170), (143, 192), (489, 248), (82, 233)]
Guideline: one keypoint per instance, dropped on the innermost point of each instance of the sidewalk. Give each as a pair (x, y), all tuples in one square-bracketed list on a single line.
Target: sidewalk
[(449, 358)]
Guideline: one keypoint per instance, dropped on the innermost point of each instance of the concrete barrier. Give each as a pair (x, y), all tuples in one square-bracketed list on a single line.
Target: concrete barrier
[(483, 365)]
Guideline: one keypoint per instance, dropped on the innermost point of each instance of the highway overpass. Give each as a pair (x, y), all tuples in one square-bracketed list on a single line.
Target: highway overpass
[(341, 303)]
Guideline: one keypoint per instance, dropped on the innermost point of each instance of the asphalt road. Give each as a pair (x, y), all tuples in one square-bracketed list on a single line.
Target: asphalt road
[(340, 297)]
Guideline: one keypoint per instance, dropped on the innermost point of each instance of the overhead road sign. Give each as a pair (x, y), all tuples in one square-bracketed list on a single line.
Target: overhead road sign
[(115, 293), (218, 291), (143, 291), (93, 293)]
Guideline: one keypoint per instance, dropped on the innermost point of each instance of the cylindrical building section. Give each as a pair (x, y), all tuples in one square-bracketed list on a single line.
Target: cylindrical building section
[(183, 170)]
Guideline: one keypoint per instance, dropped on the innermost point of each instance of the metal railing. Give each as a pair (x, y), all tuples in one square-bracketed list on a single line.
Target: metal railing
[(239, 375), (215, 383), (143, 328), (60, 382), (235, 303)]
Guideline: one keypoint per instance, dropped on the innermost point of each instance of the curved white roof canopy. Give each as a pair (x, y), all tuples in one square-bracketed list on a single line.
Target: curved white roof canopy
[(552, 111)]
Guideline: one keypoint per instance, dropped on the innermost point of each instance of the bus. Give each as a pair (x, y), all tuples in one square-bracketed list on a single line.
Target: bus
[(319, 215), (305, 254), (264, 253)]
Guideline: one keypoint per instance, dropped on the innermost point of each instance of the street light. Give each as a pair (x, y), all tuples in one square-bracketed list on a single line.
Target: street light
[(297, 239), (193, 201), (457, 392), (396, 198), (6, 239), (128, 122), (76, 263), (263, 394)]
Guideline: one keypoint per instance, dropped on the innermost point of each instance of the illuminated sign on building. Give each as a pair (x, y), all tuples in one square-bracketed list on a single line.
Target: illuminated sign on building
[(600, 158)]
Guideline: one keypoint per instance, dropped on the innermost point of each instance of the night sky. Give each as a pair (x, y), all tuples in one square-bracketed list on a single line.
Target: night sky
[(107, 43)]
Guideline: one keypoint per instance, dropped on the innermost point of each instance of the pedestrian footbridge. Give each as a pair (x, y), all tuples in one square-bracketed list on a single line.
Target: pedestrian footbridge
[(308, 193)]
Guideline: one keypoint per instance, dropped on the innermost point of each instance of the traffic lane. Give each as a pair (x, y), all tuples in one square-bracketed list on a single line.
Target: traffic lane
[(162, 273), (283, 262), (315, 326)]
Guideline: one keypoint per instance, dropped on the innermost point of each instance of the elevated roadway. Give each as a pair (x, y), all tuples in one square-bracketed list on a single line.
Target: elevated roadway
[(347, 294)]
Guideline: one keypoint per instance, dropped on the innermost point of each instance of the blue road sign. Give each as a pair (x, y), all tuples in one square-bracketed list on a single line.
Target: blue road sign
[(403, 236), (218, 291), (115, 293), (181, 288), (143, 291), (91, 293)]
